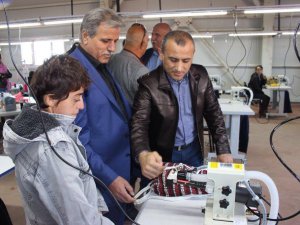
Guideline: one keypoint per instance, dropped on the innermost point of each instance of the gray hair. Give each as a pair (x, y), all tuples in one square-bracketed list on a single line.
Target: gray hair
[(95, 17), (180, 37)]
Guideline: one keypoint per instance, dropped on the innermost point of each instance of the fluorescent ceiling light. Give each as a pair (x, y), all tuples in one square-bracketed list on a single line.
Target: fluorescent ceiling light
[(184, 14), (272, 10), (12, 43), (201, 36), (253, 34), (289, 33), (62, 21), (18, 25)]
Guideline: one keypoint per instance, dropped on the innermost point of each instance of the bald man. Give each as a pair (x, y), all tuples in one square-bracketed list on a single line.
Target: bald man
[(151, 57), (126, 66)]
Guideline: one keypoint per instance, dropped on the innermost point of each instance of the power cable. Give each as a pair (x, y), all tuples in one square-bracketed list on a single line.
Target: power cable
[(246, 66), (274, 150), (245, 52), (44, 127), (278, 219), (295, 41)]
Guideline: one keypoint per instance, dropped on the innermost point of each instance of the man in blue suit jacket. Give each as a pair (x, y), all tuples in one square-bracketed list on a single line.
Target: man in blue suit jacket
[(105, 119)]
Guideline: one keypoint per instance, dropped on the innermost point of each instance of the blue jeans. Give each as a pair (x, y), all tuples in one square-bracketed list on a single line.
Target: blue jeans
[(191, 155)]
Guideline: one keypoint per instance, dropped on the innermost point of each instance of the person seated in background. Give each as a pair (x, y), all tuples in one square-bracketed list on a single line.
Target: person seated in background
[(256, 83), (52, 191), (151, 57), (5, 74), (126, 66)]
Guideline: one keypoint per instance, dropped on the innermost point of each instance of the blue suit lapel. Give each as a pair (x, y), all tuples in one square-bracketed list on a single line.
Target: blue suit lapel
[(100, 83)]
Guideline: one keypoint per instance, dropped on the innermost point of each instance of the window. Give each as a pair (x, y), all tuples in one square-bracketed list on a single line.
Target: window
[(36, 52), (42, 51), (26, 52)]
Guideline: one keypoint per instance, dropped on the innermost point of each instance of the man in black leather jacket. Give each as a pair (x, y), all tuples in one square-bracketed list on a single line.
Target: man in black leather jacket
[(169, 107)]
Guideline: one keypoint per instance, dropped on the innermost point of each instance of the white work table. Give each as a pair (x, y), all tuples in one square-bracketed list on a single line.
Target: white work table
[(281, 92), (4, 113), (187, 212), (232, 110), (6, 165)]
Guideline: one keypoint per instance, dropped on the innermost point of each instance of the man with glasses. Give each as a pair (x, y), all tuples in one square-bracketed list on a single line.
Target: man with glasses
[(151, 57), (126, 66)]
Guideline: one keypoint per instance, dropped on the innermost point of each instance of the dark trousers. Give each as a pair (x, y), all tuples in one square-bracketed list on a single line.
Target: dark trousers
[(263, 105), (287, 103), (190, 156), (244, 134)]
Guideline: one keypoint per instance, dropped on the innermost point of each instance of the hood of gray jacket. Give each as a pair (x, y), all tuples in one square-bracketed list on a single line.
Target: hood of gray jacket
[(27, 127)]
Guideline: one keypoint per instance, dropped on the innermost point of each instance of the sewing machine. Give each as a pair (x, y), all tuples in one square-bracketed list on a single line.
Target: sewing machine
[(228, 189), (239, 93)]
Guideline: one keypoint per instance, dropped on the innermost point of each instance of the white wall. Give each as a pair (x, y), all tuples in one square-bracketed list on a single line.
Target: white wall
[(221, 44)]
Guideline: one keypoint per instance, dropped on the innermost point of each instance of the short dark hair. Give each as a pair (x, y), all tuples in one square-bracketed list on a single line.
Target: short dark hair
[(180, 37), (58, 76), (259, 66)]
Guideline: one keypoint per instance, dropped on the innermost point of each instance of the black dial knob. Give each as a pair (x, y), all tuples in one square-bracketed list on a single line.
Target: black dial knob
[(226, 190), (224, 203)]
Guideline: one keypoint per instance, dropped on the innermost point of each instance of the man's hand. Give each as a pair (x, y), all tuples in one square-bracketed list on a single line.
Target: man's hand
[(151, 164), (122, 190), (225, 158)]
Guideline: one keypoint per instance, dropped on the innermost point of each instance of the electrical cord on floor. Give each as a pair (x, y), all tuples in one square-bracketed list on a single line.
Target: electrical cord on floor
[(44, 127), (274, 150)]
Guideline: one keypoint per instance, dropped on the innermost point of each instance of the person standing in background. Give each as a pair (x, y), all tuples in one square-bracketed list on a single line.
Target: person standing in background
[(5, 74), (126, 66), (105, 119), (151, 57)]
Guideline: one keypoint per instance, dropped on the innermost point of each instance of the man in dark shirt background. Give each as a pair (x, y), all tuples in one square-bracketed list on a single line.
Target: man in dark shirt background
[(256, 83)]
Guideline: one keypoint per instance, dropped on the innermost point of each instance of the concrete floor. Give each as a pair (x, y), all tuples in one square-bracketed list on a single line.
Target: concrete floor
[(260, 158)]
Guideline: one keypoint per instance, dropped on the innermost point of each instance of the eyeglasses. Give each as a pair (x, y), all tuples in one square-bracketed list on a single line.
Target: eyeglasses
[(144, 29)]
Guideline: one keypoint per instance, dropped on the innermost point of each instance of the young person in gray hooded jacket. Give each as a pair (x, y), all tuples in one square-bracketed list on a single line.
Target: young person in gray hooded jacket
[(53, 192)]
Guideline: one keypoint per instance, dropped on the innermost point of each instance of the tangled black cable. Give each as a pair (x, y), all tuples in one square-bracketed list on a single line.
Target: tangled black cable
[(274, 150), (245, 53), (295, 41), (278, 219), (44, 127)]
